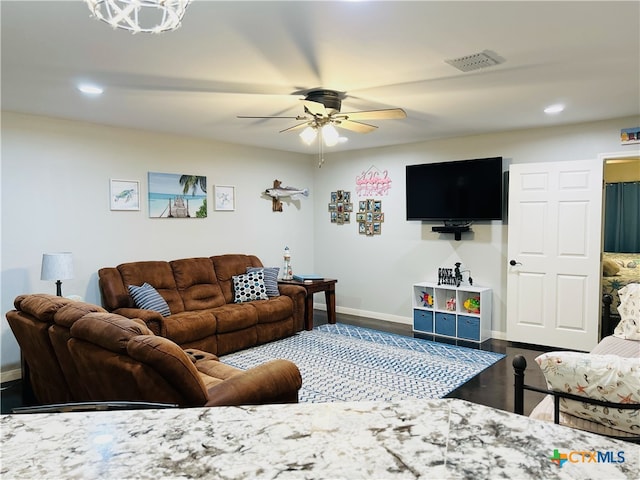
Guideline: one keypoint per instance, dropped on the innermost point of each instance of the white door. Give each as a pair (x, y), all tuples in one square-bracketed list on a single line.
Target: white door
[(553, 281)]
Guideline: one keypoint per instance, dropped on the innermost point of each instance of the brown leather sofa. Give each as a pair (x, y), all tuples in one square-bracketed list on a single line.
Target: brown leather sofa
[(78, 352), (199, 293)]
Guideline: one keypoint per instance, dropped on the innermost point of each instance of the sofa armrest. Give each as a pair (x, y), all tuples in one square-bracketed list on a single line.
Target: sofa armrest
[(153, 319), (291, 290), (298, 295), (276, 381)]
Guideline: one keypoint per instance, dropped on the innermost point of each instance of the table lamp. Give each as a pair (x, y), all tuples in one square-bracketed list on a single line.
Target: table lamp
[(57, 266)]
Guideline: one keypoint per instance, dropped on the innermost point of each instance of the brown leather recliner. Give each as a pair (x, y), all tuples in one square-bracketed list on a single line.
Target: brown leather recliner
[(120, 359), (40, 323)]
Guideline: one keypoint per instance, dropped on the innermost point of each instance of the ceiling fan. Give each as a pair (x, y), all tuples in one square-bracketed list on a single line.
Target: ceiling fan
[(322, 114)]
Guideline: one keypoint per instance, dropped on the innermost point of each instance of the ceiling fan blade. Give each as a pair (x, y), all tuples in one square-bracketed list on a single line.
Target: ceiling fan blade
[(299, 126), (387, 114), (358, 127), (298, 117), (315, 108)]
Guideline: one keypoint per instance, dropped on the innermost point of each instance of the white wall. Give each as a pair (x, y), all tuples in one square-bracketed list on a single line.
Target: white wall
[(375, 273), (55, 196)]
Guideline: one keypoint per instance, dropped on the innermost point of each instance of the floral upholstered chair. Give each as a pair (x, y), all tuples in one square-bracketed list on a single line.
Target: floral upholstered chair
[(597, 391)]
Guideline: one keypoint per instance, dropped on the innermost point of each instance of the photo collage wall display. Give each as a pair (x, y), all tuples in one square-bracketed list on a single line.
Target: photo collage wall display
[(340, 207), (370, 217)]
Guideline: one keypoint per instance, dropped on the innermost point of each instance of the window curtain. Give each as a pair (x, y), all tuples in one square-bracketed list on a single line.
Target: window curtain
[(622, 217)]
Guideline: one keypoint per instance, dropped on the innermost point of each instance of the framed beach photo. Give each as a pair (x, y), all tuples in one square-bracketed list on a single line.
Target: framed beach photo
[(174, 195), (224, 197), (124, 194)]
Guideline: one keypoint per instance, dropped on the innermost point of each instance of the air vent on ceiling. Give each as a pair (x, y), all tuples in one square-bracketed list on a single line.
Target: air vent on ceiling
[(476, 61)]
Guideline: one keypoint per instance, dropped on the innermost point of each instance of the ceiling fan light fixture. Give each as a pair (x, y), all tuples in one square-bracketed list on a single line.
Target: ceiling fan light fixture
[(330, 135), (308, 135), (146, 16)]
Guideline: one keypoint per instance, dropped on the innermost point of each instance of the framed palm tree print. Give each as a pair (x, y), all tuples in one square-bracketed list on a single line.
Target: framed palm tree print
[(174, 195)]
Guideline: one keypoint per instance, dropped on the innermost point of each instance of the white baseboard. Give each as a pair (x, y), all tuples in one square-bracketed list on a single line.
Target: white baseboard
[(367, 314), (498, 335), (10, 375), (389, 318)]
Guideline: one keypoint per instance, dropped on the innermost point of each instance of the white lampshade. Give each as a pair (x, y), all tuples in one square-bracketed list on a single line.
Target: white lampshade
[(308, 135), (57, 266), (330, 135)]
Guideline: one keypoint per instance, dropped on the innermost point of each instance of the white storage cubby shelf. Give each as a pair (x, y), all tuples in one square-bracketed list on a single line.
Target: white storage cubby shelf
[(440, 310)]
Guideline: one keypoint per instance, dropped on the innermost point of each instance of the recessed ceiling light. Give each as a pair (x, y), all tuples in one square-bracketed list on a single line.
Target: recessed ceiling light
[(553, 109), (90, 89)]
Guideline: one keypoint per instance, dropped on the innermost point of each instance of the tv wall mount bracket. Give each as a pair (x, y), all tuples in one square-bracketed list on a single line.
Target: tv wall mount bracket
[(457, 228)]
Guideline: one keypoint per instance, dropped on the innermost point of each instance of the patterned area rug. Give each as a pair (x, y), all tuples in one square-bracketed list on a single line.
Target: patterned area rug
[(347, 363)]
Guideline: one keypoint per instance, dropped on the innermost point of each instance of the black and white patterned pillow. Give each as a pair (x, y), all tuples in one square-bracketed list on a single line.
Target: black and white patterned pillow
[(248, 287), (148, 298), (270, 279)]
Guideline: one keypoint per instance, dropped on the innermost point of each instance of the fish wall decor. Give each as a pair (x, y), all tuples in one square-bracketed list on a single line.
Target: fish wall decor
[(278, 191)]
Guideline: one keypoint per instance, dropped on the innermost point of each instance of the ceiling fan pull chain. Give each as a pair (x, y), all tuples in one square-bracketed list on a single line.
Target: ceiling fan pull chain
[(320, 148)]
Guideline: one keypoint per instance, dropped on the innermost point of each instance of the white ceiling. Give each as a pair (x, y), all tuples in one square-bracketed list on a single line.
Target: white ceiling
[(251, 58)]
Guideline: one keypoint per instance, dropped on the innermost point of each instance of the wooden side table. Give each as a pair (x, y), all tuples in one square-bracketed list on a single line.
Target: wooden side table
[(326, 285)]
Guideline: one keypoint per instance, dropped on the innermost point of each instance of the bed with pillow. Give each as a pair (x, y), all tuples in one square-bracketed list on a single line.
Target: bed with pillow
[(618, 270), (597, 391)]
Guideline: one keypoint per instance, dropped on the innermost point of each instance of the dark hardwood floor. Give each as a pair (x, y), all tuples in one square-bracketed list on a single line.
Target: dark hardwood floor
[(492, 387), (11, 396)]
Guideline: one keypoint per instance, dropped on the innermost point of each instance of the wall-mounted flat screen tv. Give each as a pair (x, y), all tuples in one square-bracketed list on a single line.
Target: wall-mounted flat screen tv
[(455, 192)]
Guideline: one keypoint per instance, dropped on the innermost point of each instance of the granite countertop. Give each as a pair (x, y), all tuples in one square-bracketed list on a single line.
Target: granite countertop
[(430, 439)]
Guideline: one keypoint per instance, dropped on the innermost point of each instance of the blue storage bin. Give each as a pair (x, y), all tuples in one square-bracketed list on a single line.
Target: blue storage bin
[(469, 327), (423, 321), (446, 324)]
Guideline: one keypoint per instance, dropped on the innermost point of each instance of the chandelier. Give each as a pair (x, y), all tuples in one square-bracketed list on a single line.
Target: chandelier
[(146, 16)]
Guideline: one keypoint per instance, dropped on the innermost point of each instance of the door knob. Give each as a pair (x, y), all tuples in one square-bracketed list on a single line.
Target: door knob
[(513, 263)]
